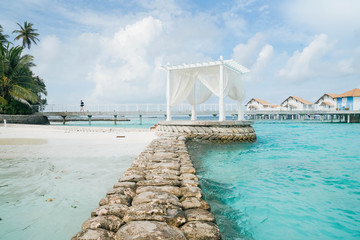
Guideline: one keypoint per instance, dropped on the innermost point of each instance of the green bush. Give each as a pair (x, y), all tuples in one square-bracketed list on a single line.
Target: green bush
[(17, 108)]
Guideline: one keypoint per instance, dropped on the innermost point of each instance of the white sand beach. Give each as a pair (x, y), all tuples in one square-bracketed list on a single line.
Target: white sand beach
[(51, 177)]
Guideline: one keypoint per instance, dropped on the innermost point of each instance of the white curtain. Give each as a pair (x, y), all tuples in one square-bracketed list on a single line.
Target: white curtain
[(234, 88), (199, 94), (210, 77), (184, 84), (181, 83)]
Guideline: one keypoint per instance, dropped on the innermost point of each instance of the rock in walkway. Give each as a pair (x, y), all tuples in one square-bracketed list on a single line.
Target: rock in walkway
[(149, 230)]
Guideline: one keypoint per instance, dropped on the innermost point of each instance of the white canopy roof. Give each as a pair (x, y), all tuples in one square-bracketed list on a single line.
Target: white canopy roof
[(228, 63), (197, 82)]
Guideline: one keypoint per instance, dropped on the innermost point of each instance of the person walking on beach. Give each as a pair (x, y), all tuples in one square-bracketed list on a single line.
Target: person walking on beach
[(81, 106)]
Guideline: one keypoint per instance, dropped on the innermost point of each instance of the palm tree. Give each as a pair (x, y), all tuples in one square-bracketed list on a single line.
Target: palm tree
[(3, 38), (17, 82), (27, 33)]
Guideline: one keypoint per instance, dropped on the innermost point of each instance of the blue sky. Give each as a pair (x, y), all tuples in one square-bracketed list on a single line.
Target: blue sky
[(111, 51)]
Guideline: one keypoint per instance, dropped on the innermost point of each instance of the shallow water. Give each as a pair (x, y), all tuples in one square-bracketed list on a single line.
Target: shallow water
[(133, 123), (298, 181), (48, 190)]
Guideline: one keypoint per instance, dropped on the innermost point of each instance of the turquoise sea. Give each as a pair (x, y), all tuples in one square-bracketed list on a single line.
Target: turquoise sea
[(300, 180), (133, 123)]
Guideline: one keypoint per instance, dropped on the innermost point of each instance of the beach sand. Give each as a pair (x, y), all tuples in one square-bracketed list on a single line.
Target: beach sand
[(52, 177)]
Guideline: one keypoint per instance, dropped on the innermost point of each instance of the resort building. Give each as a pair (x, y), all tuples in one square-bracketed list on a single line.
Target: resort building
[(296, 103), (326, 102), (259, 104), (349, 100)]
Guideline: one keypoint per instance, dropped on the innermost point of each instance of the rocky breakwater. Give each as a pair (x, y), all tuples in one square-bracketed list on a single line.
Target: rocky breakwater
[(211, 131), (158, 197)]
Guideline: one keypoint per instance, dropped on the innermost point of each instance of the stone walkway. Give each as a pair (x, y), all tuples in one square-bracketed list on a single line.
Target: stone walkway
[(158, 197)]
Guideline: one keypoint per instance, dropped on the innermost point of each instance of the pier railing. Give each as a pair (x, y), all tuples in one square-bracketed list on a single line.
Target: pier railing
[(145, 108), (183, 109), (140, 110)]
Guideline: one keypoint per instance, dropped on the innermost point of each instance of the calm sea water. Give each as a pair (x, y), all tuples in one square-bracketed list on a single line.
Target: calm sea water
[(298, 181), (133, 123)]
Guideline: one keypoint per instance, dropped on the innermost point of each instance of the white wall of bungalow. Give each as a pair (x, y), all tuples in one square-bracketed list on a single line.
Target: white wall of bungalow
[(326, 102), (296, 103), (259, 104)]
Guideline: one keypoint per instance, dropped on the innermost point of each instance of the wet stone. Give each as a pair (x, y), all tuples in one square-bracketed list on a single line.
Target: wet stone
[(131, 185), (186, 163), (199, 230), (165, 154), (118, 210), (156, 197), (121, 190), (173, 166), (162, 171), (109, 222), (199, 214), (162, 176), (139, 164), (188, 183), (187, 170), (159, 182), (181, 138), (173, 215), (193, 202), (130, 172), (94, 234), (146, 211), (131, 178), (115, 199), (188, 176), (149, 230), (169, 189), (191, 192), (134, 170), (152, 160)]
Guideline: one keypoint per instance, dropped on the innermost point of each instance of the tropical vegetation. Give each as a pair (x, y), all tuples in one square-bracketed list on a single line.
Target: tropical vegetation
[(19, 86)]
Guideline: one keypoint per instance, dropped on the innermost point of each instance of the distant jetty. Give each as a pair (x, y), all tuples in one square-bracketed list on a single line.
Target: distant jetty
[(81, 119)]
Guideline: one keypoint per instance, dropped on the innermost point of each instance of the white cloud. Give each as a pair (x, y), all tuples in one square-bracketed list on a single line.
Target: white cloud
[(307, 63), (260, 70), (234, 23), (123, 65), (263, 8), (246, 54), (48, 50), (256, 55)]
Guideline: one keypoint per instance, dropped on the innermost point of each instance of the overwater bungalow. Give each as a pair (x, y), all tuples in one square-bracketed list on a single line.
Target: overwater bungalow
[(296, 103), (327, 101), (259, 104), (349, 100)]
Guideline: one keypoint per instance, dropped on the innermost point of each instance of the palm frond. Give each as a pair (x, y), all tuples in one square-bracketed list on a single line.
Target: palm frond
[(22, 93), (3, 101)]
